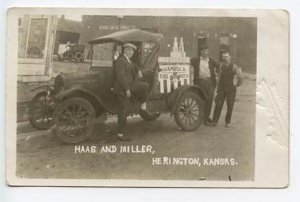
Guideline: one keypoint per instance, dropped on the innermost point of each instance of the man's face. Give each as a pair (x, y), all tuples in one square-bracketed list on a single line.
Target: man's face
[(129, 52), (204, 53), (226, 57)]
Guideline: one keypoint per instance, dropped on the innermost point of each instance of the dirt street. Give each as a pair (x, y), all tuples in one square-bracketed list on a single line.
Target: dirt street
[(224, 153)]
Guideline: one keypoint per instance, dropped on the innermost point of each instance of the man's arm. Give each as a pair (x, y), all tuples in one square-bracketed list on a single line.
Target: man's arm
[(215, 69), (215, 65), (193, 64), (138, 70), (238, 73)]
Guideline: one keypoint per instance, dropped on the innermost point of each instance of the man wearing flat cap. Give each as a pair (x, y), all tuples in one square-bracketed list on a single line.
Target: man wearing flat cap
[(128, 85), (205, 70)]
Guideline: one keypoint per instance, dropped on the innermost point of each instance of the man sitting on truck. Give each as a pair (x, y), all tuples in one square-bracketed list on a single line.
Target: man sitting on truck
[(128, 85)]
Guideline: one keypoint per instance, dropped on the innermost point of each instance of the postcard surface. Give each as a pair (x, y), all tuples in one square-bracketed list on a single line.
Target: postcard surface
[(147, 97)]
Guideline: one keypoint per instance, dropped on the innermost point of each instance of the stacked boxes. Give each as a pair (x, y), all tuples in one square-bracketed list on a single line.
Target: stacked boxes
[(174, 70)]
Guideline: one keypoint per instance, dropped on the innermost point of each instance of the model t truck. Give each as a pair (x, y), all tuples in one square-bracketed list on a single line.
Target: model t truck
[(72, 105)]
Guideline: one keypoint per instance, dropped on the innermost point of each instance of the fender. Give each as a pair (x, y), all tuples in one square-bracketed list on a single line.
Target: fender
[(47, 88), (79, 91), (176, 94)]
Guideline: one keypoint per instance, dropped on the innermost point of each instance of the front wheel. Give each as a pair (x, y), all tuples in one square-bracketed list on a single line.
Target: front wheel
[(41, 111), (74, 120), (189, 111)]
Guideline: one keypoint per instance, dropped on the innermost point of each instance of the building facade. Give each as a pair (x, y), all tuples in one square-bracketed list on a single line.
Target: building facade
[(35, 47), (239, 35)]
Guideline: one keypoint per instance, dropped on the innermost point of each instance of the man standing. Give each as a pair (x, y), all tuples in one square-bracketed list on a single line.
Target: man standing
[(229, 79), (205, 70), (128, 85)]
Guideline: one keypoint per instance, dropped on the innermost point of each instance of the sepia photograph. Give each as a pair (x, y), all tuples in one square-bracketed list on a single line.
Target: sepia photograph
[(121, 97)]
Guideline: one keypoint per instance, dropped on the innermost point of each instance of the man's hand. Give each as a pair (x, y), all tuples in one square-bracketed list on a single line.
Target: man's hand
[(128, 93), (237, 80), (237, 69), (140, 75)]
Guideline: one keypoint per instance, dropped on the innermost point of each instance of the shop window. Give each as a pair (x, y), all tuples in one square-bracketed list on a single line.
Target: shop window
[(37, 38), (32, 37)]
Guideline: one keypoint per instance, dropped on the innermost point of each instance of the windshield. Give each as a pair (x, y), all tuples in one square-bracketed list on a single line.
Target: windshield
[(150, 55), (148, 48), (103, 55)]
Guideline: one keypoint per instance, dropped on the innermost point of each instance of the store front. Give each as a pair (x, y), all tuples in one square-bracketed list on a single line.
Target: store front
[(35, 47)]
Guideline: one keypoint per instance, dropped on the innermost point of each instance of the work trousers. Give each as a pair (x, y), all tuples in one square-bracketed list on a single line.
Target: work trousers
[(222, 95), (207, 86), (139, 90)]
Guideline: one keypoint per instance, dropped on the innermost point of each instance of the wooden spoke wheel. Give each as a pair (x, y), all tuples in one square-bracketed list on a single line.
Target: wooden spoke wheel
[(40, 111), (74, 120), (189, 111)]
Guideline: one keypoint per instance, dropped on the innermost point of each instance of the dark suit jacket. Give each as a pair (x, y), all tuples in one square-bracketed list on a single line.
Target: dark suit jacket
[(212, 67), (125, 75)]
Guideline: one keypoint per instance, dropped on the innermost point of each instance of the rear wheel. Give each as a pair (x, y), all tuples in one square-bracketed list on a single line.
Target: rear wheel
[(74, 120), (189, 111)]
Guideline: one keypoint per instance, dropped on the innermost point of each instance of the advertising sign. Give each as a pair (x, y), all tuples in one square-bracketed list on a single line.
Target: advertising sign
[(171, 76)]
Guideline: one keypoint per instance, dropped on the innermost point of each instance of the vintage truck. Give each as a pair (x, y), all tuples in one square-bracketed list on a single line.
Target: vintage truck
[(73, 103)]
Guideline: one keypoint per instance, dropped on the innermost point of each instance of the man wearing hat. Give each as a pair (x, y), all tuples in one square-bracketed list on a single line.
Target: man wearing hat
[(205, 70), (128, 85)]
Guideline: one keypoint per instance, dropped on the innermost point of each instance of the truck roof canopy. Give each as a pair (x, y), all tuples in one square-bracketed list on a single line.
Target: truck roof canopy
[(129, 35)]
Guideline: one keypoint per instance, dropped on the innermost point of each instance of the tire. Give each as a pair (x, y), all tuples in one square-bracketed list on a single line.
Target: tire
[(74, 120), (78, 56), (40, 111), (148, 116), (189, 111)]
